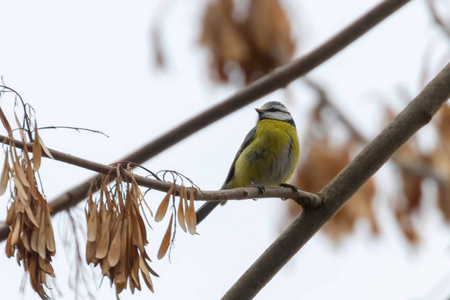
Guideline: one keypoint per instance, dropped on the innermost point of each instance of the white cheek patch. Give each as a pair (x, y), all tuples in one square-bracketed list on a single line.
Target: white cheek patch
[(278, 115)]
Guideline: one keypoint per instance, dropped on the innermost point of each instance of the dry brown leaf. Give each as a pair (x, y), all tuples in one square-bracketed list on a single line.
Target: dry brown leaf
[(20, 173), (9, 249), (49, 154), (103, 244), (45, 266), (141, 225), (148, 281), (135, 273), (26, 240), (20, 189), (120, 286), (114, 249), (31, 217), (105, 267), (180, 211), (123, 250), (162, 209), (90, 252), (6, 123), (136, 232), (49, 236), (132, 286), (145, 270), (166, 240), (11, 213), (15, 233), (41, 237), (20, 205), (34, 240), (5, 175), (191, 218), (37, 153), (19, 126), (92, 225)]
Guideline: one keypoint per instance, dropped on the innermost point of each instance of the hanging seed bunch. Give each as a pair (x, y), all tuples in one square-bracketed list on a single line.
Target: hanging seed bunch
[(184, 212), (253, 45), (116, 234), (31, 238)]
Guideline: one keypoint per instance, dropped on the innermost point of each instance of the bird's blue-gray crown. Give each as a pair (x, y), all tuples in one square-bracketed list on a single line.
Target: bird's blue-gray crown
[(275, 110)]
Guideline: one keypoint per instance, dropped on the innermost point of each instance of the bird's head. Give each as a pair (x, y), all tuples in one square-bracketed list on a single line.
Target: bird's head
[(275, 110)]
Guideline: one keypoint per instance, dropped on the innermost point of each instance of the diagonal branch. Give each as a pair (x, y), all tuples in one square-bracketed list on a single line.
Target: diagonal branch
[(416, 115), (279, 78)]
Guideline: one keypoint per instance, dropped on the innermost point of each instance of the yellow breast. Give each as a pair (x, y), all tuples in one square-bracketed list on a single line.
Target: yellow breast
[(270, 159)]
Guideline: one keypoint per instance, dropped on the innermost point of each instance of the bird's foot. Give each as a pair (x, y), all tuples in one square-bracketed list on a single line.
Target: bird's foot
[(259, 187), (292, 187)]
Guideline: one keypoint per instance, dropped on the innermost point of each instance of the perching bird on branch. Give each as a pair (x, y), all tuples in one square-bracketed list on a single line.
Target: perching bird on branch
[(267, 157)]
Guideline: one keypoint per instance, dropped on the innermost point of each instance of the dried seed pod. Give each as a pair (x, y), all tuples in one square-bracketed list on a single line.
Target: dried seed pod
[(5, 175), (166, 240), (103, 244), (41, 237), (49, 154), (191, 218), (92, 224), (180, 211), (5, 123), (162, 209), (37, 152), (114, 249)]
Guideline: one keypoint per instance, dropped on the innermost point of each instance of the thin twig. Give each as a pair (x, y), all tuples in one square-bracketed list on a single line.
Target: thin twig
[(416, 115), (79, 129)]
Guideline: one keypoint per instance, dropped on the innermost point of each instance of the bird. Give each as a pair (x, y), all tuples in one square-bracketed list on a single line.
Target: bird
[(267, 157)]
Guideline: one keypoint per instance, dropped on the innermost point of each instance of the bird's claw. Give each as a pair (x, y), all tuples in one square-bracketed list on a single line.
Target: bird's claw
[(259, 187), (292, 187)]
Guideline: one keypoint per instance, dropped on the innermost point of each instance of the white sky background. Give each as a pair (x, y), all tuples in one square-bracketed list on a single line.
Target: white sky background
[(88, 64)]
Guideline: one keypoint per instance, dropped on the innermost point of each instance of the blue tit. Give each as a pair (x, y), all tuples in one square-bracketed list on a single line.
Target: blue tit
[(267, 157)]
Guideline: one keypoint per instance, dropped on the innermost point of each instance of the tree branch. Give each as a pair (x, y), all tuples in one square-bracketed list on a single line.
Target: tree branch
[(304, 199), (416, 115)]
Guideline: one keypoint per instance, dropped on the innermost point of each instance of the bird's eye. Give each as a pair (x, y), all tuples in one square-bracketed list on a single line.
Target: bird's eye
[(273, 109)]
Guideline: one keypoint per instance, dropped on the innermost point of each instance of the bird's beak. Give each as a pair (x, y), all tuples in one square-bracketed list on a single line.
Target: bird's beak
[(258, 111)]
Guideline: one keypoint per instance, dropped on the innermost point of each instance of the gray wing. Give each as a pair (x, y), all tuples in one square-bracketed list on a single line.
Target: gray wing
[(248, 139)]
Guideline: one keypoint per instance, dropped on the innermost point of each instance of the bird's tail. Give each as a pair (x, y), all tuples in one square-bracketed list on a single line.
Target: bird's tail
[(204, 210)]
